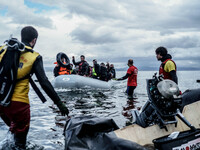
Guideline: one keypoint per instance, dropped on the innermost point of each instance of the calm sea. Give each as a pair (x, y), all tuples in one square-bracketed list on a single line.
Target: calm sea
[(47, 125)]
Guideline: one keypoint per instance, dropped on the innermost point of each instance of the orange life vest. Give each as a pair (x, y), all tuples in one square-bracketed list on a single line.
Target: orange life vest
[(63, 70)]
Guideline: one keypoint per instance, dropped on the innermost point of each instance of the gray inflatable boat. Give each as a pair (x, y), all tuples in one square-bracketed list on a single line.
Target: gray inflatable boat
[(77, 81)]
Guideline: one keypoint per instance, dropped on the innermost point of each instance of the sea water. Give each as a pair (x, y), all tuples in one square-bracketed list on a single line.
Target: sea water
[(46, 129)]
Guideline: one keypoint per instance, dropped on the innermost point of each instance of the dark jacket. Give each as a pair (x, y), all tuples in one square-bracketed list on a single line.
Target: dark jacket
[(83, 67), (103, 73), (97, 69), (43, 80), (112, 71)]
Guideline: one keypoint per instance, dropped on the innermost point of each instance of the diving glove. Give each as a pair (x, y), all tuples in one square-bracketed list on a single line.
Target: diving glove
[(63, 109)]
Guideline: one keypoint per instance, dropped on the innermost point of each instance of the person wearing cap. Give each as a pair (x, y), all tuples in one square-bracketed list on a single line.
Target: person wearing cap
[(168, 66), (132, 78), (83, 65)]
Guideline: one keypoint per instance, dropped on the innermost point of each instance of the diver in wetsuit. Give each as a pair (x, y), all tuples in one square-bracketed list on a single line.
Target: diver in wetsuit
[(17, 114)]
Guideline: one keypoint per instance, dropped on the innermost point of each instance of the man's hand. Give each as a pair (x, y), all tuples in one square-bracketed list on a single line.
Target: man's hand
[(63, 109)]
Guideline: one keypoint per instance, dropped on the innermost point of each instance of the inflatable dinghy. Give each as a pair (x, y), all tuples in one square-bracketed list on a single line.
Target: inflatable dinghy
[(77, 81)]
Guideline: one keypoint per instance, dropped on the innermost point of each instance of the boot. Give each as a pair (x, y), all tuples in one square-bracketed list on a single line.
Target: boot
[(20, 140)]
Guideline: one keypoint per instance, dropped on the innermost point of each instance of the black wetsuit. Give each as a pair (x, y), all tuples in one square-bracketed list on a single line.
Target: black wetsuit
[(83, 67), (38, 69)]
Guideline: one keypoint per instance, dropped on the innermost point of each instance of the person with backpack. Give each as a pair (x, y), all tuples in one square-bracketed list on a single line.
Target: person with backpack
[(17, 114)]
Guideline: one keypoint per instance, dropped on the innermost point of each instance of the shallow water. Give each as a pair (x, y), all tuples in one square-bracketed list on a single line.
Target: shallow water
[(47, 125)]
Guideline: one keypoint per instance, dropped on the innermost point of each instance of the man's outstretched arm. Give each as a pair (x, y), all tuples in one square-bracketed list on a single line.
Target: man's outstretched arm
[(38, 69)]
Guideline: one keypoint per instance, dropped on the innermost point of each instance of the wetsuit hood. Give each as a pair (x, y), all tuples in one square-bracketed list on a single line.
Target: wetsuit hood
[(168, 56)]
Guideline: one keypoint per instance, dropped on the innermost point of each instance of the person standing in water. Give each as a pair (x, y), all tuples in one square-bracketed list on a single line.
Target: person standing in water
[(17, 114), (132, 78), (168, 66)]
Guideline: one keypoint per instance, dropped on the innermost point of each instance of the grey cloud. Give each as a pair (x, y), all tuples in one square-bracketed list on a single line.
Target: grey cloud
[(136, 14), (89, 36), (181, 42), (93, 9), (97, 10), (186, 15), (23, 18), (166, 32), (20, 14)]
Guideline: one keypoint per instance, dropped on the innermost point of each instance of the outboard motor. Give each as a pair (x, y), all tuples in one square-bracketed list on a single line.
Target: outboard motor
[(163, 104)]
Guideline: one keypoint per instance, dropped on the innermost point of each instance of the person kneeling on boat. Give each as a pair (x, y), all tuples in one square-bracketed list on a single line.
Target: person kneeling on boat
[(132, 78), (59, 70)]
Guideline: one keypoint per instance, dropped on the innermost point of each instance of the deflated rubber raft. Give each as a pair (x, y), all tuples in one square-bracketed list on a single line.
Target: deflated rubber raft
[(90, 132), (76, 81)]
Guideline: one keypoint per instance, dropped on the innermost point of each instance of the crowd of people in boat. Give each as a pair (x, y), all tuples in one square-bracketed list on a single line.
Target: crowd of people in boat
[(102, 71)]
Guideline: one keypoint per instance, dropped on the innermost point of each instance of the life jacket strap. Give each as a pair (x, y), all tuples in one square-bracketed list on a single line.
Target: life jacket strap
[(37, 91)]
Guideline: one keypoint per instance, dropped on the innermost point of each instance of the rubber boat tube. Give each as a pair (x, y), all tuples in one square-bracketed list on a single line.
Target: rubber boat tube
[(77, 81)]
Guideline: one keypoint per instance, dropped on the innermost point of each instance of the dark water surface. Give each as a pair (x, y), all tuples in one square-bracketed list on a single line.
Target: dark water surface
[(46, 130)]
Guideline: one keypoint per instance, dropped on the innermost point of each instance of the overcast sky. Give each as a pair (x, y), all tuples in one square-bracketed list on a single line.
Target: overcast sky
[(108, 30)]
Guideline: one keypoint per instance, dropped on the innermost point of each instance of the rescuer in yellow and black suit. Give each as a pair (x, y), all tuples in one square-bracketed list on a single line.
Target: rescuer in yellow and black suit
[(17, 114)]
